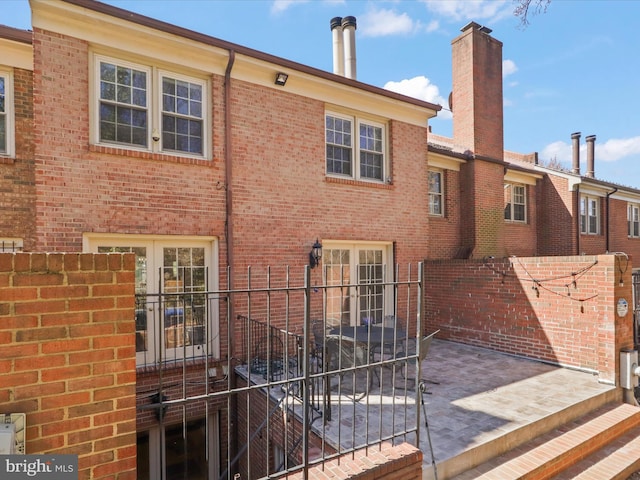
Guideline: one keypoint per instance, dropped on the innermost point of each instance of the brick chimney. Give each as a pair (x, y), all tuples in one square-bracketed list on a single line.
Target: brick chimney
[(477, 92), (476, 103)]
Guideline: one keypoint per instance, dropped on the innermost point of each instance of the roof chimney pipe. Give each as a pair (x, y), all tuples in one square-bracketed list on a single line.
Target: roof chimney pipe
[(591, 148), (338, 47), (576, 152), (349, 40)]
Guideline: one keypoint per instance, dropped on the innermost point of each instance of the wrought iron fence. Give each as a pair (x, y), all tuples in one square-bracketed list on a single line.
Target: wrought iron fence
[(291, 387)]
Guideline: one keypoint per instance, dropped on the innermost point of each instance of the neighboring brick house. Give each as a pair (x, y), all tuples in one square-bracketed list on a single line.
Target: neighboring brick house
[(485, 201), (182, 149)]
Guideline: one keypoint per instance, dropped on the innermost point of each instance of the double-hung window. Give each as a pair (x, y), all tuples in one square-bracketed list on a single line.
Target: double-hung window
[(589, 215), (143, 107), (436, 199), (6, 113), (355, 147), (515, 202), (633, 220)]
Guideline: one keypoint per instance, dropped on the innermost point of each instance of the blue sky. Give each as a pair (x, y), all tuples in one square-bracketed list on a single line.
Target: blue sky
[(575, 68)]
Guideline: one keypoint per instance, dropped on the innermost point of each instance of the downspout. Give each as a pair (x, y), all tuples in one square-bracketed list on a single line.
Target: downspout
[(227, 161), (578, 219), (615, 189), (233, 406)]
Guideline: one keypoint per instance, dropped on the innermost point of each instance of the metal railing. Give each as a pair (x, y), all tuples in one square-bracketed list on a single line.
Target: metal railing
[(277, 383)]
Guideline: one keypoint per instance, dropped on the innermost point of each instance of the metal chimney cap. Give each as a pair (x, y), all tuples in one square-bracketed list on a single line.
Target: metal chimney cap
[(349, 22), (335, 22), (575, 135), (590, 138)]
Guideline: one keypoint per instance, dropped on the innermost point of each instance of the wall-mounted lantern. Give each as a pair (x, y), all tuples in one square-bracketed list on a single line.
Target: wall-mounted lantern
[(315, 254)]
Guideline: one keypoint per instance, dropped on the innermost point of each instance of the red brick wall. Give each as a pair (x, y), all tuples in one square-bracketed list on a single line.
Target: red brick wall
[(284, 200), (494, 305), (17, 201), (67, 357), (483, 210), (445, 232), (619, 240), (520, 238), (557, 224), (477, 93), (402, 461), (96, 189)]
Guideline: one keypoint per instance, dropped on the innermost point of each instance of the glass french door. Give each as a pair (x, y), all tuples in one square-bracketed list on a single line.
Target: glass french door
[(172, 277), (355, 276)]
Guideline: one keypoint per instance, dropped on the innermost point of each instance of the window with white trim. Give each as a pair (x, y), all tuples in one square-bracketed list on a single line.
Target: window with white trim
[(143, 107), (515, 202), (633, 220), (436, 193), (6, 113), (362, 159), (589, 215), (173, 317)]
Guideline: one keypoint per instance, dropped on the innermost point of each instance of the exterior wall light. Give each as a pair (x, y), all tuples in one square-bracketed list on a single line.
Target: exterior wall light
[(281, 79), (315, 254)]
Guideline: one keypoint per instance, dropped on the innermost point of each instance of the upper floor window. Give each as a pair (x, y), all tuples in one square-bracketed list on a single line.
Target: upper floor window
[(144, 107), (633, 220), (6, 113), (355, 147), (515, 202), (589, 215), (436, 198)]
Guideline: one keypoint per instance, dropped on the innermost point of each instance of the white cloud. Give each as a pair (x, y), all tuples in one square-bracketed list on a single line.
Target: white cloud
[(471, 9), (617, 148), (279, 6), (421, 88), (610, 151), (383, 22), (508, 68)]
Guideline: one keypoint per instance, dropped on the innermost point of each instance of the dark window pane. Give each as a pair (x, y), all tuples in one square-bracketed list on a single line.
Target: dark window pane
[(168, 86), (107, 72), (107, 91), (139, 80), (124, 76), (168, 103), (182, 126), (123, 94), (108, 131), (107, 113)]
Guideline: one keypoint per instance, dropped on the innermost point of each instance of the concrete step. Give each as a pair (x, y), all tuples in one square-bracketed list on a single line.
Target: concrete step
[(615, 461), (472, 462), (611, 428)]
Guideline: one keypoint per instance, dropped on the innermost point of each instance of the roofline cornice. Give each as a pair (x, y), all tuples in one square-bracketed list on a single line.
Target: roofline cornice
[(77, 15)]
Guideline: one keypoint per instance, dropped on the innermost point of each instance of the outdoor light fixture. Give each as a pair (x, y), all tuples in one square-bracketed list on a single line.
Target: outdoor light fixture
[(315, 254), (281, 79)]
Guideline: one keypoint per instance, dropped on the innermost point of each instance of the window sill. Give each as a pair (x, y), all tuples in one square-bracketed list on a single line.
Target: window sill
[(358, 183), (144, 155)]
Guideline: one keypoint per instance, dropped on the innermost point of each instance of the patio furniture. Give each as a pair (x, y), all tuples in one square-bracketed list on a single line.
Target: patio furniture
[(408, 356), (347, 358)]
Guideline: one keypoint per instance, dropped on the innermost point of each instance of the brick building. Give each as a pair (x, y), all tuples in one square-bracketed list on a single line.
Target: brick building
[(183, 149)]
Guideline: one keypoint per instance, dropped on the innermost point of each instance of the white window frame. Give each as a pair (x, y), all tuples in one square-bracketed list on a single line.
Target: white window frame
[(589, 215), (8, 149), (154, 104), (357, 150), (154, 245), (352, 269), (633, 220), (515, 199), (433, 196)]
